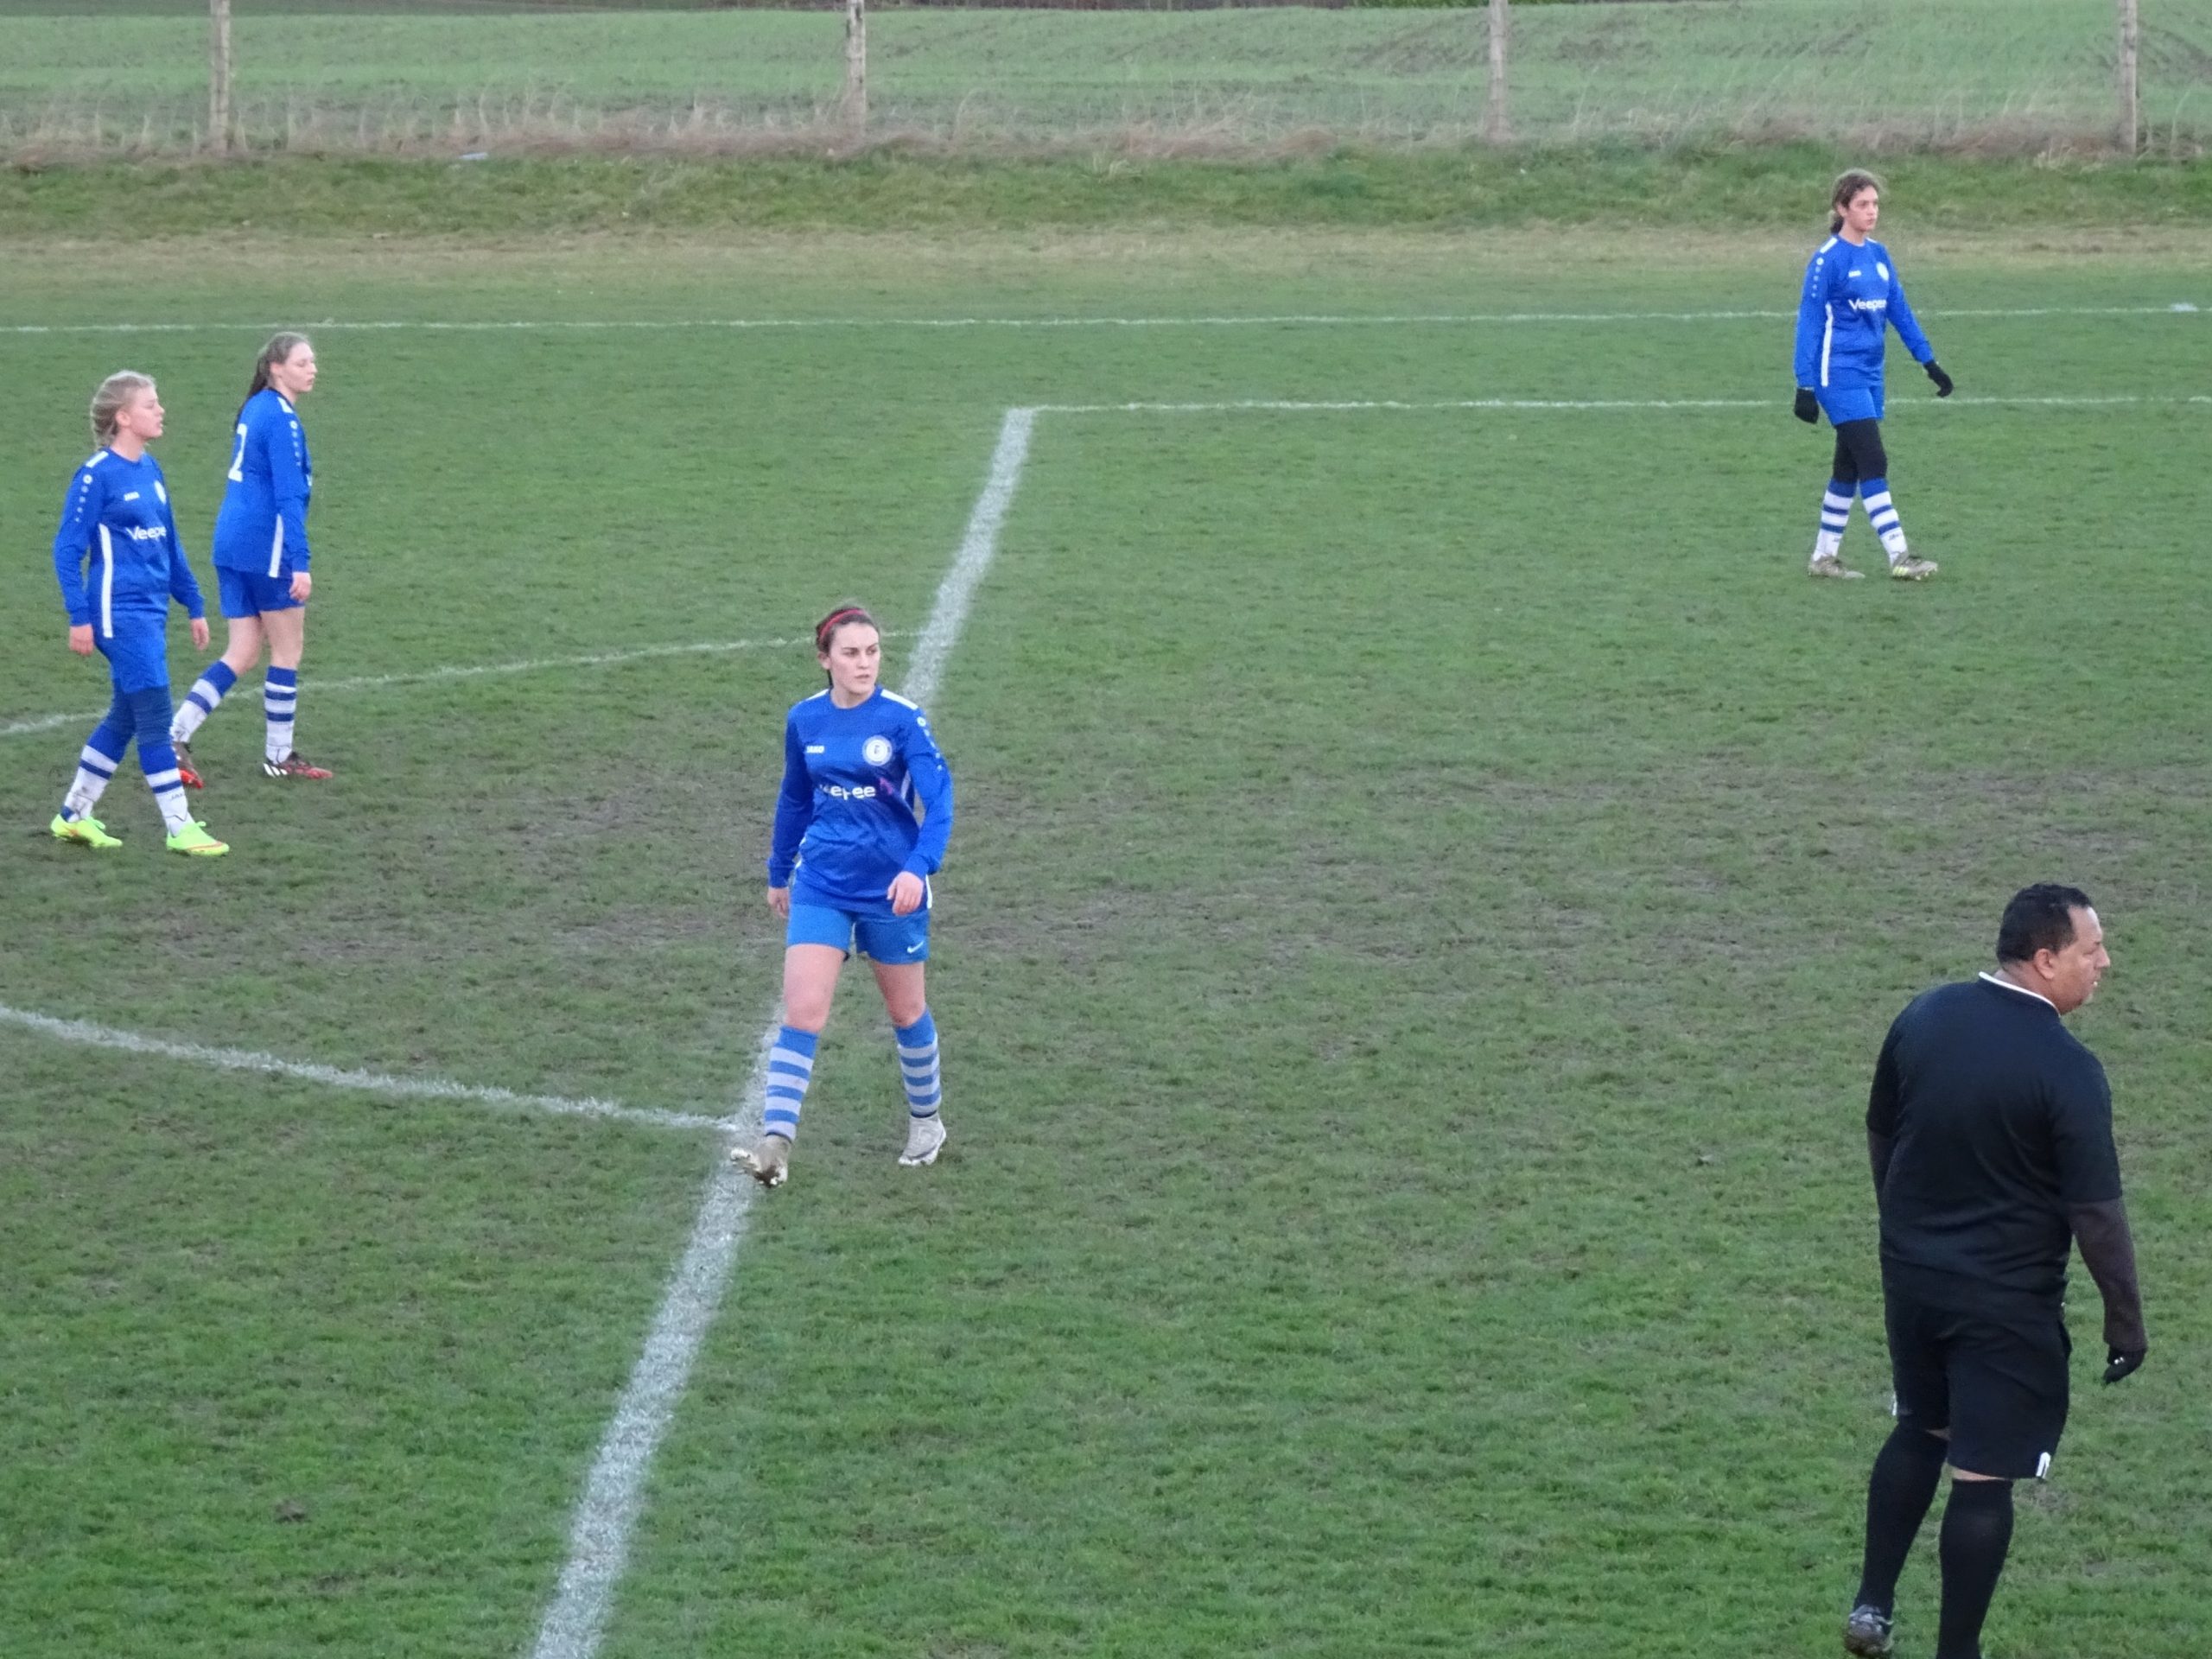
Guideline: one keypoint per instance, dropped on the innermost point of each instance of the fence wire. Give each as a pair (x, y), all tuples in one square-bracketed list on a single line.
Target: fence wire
[(2002, 75)]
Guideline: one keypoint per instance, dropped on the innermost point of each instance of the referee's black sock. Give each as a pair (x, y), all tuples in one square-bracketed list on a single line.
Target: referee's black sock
[(1903, 1485), (1977, 1531)]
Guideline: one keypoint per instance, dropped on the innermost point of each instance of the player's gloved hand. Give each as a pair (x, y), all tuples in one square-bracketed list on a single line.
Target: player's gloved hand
[(2121, 1362), (1935, 373), (1808, 407)]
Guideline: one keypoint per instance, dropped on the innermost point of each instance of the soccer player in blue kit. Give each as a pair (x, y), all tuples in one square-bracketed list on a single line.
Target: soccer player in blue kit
[(1852, 295), (850, 863), (119, 564), (261, 559)]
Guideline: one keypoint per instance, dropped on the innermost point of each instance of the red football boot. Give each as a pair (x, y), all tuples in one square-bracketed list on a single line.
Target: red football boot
[(187, 773), (294, 764)]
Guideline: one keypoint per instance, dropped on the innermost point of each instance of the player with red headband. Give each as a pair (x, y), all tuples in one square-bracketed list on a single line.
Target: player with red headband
[(861, 825)]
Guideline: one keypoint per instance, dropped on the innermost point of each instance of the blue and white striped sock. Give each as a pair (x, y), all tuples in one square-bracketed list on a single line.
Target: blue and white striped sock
[(1882, 513), (103, 753), (917, 1067), (280, 701), (159, 759), (208, 690), (1836, 514), (790, 1068)]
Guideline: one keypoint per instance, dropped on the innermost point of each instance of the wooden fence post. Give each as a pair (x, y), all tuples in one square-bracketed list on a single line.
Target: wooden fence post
[(1497, 124), (221, 133), (2131, 105), (856, 64)]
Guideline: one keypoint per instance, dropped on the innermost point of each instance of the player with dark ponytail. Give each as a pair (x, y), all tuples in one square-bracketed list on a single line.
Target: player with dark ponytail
[(849, 866), (261, 558), (1851, 295)]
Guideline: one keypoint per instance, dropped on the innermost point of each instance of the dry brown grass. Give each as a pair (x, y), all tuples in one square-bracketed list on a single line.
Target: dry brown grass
[(530, 126), (835, 138)]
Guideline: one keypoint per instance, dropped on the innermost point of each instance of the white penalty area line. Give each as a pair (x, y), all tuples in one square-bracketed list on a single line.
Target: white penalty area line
[(1286, 320), (607, 1514), (599, 1537), (466, 671), (371, 1082)]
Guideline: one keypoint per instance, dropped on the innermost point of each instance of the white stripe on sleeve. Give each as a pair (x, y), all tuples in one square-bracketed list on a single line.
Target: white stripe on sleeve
[(107, 584)]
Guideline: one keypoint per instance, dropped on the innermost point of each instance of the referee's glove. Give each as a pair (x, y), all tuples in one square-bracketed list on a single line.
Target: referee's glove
[(2121, 1362), (1808, 407), (1942, 385)]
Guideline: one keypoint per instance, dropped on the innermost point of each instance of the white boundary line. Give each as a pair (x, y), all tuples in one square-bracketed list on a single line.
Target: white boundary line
[(599, 1539), (1290, 406), (420, 677), (1292, 319), (372, 1083), (977, 547)]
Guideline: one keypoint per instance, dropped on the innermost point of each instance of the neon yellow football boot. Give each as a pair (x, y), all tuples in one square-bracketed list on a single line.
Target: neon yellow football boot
[(194, 842), (86, 832)]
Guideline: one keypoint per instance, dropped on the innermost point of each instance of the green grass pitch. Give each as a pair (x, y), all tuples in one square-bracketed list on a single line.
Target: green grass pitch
[(1429, 886)]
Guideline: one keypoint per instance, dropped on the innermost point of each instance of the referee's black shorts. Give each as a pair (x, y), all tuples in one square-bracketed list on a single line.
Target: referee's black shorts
[(1995, 1377)]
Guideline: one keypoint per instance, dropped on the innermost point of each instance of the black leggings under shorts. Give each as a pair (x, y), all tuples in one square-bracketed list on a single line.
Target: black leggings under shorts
[(1859, 452)]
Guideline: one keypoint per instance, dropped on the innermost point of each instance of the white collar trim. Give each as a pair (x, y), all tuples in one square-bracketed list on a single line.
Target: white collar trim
[(2007, 984)]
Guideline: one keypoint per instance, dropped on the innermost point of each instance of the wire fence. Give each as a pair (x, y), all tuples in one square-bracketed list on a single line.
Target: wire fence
[(440, 76)]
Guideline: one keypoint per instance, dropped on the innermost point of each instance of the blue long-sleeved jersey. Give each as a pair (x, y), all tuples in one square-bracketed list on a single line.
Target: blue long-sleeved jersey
[(117, 546), (262, 524), (1850, 293), (845, 819)]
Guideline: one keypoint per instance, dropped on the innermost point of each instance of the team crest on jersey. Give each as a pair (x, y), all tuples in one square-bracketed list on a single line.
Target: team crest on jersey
[(876, 751), (1881, 270)]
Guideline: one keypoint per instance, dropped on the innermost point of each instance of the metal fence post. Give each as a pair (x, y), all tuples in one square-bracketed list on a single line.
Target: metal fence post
[(1497, 124), (220, 133), (856, 64), (2131, 104)]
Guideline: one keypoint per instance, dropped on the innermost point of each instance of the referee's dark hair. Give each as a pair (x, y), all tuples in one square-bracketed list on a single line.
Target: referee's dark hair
[(2040, 918)]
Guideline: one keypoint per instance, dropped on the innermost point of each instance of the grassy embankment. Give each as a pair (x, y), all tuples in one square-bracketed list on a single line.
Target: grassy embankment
[(1777, 189)]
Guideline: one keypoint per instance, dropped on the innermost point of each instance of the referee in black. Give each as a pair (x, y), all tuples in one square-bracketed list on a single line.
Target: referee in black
[(1990, 1129)]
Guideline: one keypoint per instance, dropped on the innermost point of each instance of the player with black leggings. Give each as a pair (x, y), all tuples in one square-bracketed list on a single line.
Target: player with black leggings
[(1851, 295)]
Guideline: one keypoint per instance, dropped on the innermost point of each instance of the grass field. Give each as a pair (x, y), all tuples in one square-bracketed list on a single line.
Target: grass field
[(1429, 885), (2016, 74)]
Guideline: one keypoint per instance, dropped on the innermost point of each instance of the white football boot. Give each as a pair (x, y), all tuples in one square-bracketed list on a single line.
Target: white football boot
[(925, 1140)]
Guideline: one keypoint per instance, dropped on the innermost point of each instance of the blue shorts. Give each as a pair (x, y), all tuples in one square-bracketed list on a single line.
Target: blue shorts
[(881, 937), (248, 592), (1842, 403), (137, 652)]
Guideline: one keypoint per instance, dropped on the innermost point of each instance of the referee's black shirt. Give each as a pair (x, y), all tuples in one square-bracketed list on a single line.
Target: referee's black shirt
[(2000, 1121)]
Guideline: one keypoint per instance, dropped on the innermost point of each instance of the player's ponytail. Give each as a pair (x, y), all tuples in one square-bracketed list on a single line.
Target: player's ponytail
[(280, 347), (110, 401), (1848, 185)]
